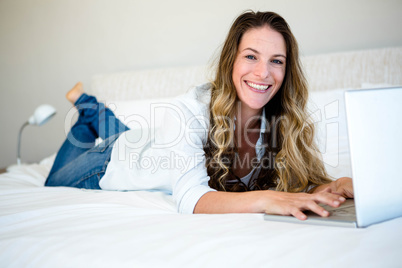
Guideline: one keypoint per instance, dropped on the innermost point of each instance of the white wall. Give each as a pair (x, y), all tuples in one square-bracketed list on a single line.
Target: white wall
[(47, 46)]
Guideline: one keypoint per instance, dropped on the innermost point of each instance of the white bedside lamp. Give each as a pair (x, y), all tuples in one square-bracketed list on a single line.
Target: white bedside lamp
[(41, 115)]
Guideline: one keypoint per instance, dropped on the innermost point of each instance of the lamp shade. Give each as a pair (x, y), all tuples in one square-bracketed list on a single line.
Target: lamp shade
[(42, 114)]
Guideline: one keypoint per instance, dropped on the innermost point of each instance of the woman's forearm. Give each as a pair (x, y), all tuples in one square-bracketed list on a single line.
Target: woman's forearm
[(267, 201), (227, 202)]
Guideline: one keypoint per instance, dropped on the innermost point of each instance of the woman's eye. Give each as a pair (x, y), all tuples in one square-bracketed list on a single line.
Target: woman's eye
[(250, 57), (277, 61)]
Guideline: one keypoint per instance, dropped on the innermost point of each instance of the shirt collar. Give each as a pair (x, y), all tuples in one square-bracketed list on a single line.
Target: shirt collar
[(263, 121)]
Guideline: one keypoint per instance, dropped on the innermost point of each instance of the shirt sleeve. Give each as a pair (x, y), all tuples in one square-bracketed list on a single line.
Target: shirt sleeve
[(183, 134)]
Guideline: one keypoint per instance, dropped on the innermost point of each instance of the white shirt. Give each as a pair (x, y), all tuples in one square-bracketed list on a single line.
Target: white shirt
[(170, 158)]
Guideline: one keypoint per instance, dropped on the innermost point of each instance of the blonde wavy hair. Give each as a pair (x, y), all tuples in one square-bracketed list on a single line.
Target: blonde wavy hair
[(289, 136)]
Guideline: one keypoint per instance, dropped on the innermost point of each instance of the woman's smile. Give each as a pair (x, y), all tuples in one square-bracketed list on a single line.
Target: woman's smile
[(257, 87)]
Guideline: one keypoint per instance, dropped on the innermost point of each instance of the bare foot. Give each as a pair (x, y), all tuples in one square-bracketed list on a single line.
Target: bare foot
[(74, 93)]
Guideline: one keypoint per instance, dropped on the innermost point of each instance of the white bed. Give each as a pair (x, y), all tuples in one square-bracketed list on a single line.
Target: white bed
[(68, 227)]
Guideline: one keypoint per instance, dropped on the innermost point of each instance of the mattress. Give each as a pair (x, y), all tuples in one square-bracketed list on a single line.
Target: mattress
[(67, 227)]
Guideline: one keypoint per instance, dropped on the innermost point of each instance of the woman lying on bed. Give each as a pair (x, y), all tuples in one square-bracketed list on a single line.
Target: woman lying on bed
[(242, 143)]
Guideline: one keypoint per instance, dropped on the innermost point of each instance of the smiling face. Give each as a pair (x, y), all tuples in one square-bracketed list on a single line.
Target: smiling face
[(259, 68)]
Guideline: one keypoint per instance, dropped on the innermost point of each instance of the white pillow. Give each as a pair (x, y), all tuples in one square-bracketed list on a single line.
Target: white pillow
[(327, 109), (147, 113)]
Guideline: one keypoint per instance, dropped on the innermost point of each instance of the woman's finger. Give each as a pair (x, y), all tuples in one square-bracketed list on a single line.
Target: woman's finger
[(317, 209), (298, 214), (330, 199)]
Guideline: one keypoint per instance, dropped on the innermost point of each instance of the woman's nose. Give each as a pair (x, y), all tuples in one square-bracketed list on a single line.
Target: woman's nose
[(262, 70)]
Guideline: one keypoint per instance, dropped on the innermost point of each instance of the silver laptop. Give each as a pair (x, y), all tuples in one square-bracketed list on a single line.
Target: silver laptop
[(374, 119)]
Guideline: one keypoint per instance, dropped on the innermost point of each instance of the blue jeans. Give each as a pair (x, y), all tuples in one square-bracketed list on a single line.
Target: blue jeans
[(79, 163)]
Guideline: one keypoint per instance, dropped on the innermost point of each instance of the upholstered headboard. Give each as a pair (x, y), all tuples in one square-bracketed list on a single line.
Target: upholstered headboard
[(324, 72), (354, 69), (146, 84)]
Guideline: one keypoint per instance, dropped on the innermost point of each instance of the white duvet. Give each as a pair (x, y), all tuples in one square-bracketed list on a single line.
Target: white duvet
[(68, 227)]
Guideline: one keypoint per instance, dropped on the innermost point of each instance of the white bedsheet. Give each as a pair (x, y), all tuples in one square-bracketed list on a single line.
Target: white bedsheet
[(67, 227)]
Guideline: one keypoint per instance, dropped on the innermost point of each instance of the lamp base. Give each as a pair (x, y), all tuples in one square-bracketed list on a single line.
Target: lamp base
[(19, 143)]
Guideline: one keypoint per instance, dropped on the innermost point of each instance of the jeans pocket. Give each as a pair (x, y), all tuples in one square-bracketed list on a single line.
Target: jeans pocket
[(105, 144)]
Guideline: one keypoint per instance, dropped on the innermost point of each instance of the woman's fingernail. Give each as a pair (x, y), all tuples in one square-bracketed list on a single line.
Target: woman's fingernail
[(342, 199), (336, 203)]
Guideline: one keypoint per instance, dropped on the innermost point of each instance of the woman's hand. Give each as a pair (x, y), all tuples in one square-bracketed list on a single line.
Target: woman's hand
[(342, 186), (295, 203)]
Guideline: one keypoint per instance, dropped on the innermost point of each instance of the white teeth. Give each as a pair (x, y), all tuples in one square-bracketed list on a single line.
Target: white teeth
[(259, 87)]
